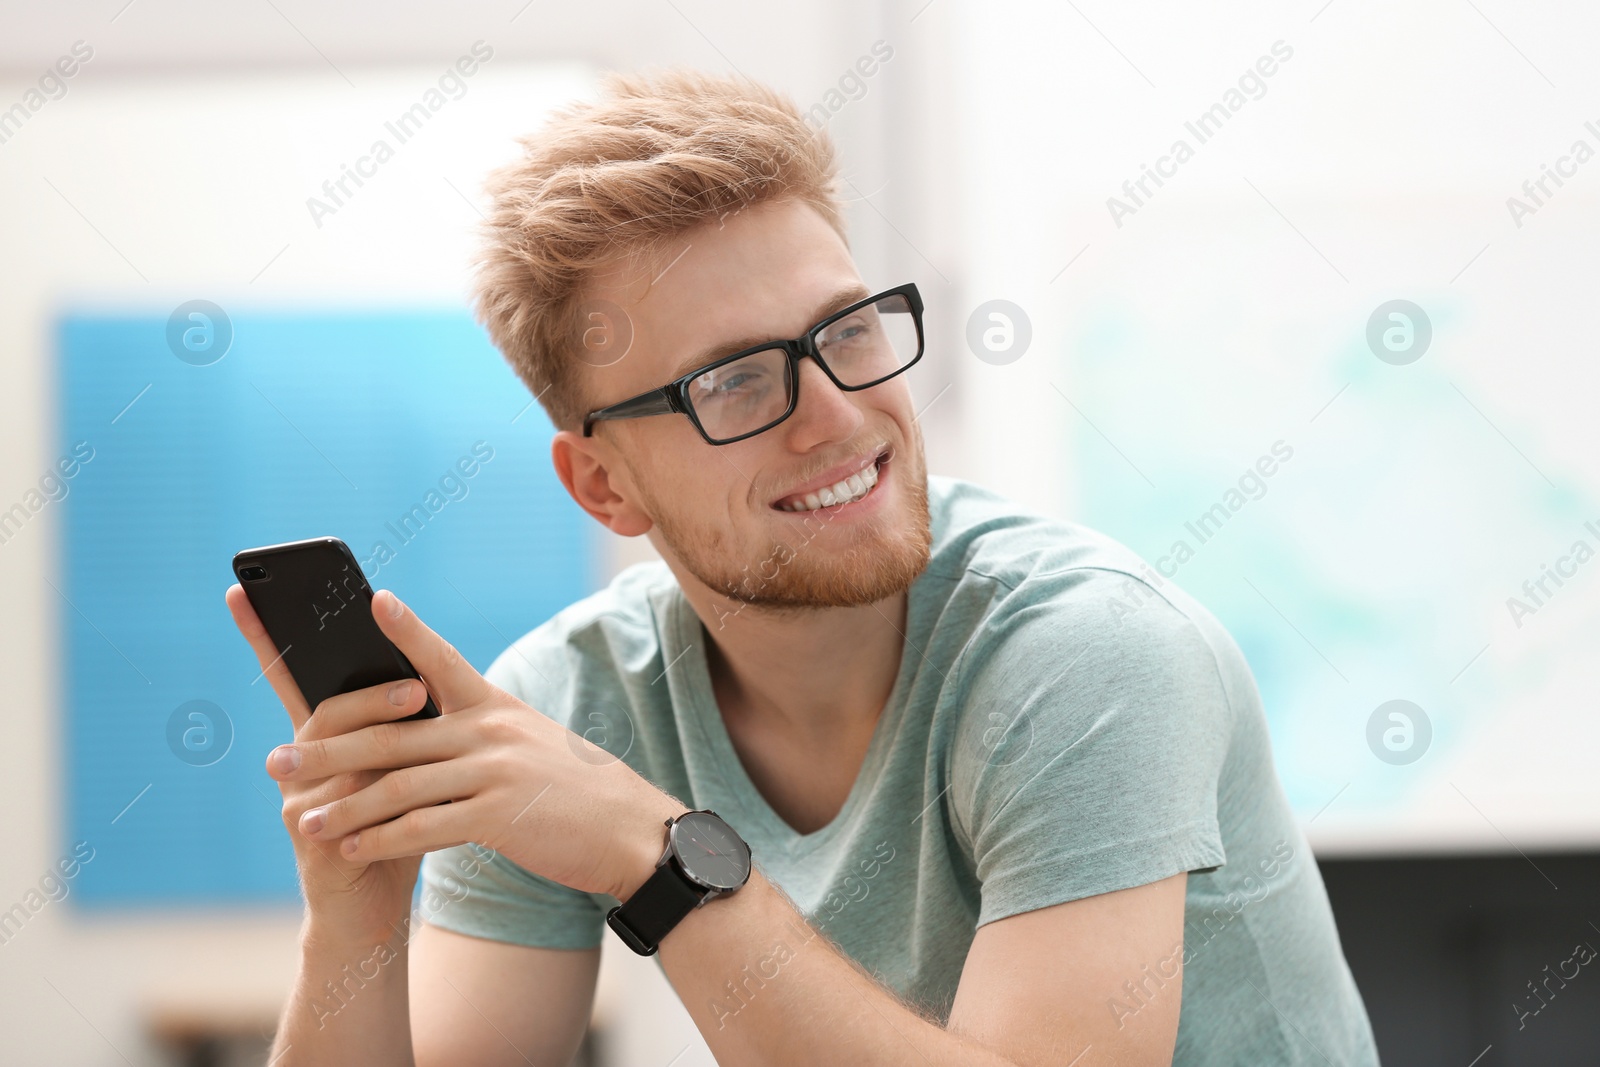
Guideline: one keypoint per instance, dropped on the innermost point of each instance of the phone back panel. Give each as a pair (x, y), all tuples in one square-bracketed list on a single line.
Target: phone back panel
[(317, 607)]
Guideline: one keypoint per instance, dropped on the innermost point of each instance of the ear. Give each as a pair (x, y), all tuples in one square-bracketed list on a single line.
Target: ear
[(593, 477)]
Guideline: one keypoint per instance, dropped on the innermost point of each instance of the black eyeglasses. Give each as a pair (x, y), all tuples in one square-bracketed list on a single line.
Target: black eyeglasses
[(741, 395)]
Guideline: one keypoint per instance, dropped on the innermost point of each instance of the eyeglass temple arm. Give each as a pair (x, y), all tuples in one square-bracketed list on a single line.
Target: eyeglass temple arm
[(655, 402)]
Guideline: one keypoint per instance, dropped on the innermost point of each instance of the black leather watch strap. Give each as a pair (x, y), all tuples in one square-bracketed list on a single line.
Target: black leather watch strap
[(658, 905)]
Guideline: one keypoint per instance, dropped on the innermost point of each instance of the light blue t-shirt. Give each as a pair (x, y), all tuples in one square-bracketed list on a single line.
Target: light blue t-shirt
[(1060, 727)]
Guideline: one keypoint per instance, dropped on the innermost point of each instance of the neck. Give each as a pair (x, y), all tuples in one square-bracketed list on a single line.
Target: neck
[(812, 675)]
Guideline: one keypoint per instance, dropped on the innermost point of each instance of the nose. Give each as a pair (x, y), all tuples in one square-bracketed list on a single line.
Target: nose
[(823, 412)]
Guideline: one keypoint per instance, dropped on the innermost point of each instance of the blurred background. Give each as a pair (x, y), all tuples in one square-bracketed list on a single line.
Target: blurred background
[(1295, 300)]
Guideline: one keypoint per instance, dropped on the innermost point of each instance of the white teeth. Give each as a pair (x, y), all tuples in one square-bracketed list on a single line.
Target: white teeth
[(846, 491)]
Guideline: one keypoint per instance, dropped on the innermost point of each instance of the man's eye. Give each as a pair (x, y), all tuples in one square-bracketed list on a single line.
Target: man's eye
[(730, 383), (734, 383), (841, 335)]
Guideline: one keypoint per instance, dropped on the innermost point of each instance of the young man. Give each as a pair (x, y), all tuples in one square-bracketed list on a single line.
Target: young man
[(1009, 803)]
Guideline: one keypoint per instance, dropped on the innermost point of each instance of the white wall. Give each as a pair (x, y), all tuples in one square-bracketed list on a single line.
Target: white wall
[(1229, 311)]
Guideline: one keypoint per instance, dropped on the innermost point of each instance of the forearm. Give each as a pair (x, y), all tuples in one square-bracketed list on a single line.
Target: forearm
[(766, 989), (348, 1006)]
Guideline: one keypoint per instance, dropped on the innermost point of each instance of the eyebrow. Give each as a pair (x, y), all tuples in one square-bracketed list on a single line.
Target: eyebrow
[(840, 300)]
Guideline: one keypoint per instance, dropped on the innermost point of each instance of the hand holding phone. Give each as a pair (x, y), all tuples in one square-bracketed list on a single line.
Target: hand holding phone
[(519, 782), (307, 612)]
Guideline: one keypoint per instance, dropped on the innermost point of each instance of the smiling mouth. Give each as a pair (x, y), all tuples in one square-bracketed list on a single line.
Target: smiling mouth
[(848, 490)]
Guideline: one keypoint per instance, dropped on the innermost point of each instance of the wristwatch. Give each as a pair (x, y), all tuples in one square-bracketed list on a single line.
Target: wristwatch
[(704, 859)]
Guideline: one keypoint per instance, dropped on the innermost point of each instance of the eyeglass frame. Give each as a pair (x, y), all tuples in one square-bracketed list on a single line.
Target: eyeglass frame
[(674, 396)]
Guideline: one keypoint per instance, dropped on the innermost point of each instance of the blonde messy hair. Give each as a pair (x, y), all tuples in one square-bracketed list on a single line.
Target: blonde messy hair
[(621, 177)]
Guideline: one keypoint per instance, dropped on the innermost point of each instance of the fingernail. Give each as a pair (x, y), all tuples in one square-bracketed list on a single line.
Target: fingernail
[(285, 759), (351, 843), (312, 821), (395, 607), (399, 693)]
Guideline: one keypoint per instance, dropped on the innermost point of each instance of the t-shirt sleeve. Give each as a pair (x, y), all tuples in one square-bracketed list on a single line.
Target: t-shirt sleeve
[(1089, 747), (472, 890)]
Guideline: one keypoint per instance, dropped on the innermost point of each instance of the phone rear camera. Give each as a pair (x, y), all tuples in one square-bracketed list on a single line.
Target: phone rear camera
[(252, 574)]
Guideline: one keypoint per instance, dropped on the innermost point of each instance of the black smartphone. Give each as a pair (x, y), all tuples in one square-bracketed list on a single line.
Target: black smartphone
[(317, 608)]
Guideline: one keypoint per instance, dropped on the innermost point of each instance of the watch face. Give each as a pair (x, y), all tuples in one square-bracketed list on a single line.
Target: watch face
[(710, 851)]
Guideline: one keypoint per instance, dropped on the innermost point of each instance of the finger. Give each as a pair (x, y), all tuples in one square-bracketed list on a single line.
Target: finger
[(344, 714), (388, 798), (347, 712), (448, 674), (411, 834), (325, 855), (267, 654), (300, 798), (382, 746)]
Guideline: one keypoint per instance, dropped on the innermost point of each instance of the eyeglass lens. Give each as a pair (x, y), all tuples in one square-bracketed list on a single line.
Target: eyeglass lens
[(869, 344)]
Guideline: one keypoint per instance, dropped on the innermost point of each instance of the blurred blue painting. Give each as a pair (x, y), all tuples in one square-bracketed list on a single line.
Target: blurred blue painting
[(191, 435)]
